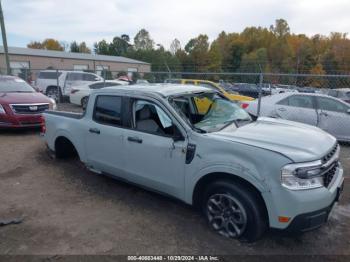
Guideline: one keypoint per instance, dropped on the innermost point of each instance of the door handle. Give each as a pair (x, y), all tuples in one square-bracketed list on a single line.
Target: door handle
[(94, 130), (281, 109), (135, 139), (323, 114)]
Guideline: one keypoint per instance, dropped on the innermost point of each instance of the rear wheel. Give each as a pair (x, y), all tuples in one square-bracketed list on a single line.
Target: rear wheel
[(54, 93), (84, 102), (234, 211)]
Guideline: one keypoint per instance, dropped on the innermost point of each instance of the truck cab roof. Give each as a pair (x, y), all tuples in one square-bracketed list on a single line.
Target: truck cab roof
[(164, 90)]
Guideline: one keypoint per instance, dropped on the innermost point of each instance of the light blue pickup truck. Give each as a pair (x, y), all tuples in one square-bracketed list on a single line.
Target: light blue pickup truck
[(244, 176)]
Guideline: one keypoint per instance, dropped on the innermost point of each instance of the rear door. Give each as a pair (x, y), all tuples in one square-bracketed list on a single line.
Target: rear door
[(334, 117), (105, 135), (299, 108), (72, 79)]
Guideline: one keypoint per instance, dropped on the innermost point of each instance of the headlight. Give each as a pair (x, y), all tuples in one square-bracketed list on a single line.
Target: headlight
[(2, 110), (53, 103), (302, 176)]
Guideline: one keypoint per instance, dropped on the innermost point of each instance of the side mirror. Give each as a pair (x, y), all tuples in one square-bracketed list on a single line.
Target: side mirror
[(97, 79), (348, 111)]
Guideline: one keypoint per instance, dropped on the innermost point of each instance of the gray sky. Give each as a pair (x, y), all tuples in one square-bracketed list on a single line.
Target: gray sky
[(93, 20)]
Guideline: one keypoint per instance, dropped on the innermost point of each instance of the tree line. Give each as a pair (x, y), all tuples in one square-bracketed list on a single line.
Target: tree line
[(256, 49)]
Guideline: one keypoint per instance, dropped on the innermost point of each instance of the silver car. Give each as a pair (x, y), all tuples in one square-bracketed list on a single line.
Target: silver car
[(341, 93), (328, 113)]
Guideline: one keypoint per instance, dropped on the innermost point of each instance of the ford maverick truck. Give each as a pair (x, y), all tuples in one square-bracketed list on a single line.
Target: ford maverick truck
[(244, 176)]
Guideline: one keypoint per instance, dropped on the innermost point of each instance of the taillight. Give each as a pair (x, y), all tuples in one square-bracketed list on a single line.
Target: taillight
[(244, 105), (73, 91), (42, 125)]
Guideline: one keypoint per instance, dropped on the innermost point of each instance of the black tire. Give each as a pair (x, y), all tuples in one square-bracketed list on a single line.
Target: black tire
[(247, 205), (54, 93), (84, 102)]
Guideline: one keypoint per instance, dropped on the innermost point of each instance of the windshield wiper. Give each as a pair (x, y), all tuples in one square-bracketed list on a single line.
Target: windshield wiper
[(202, 131), (242, 119)]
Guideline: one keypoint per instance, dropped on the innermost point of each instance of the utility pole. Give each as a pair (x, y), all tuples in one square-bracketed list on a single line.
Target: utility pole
[(4, 40)]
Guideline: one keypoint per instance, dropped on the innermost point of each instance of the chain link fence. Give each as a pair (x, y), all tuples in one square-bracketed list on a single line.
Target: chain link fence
[(294, 80), (327, 113)]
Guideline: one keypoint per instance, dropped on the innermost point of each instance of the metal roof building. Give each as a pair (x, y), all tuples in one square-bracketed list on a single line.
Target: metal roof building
[(39, 59)]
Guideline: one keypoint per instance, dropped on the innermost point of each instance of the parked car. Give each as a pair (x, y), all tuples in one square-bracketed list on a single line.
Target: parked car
[(233, 96), (20, 105), (251, 90), (279, 89), (245, 177), (79, 95), (46, 82), (341, 93), (328, 113), (306, 89), (142, 81)]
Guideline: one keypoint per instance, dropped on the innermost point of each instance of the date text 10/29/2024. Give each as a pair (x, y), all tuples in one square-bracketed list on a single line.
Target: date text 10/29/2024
[(172, 258)]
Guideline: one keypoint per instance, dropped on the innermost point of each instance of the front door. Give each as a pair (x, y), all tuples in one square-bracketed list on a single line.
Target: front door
[(155, 149), (334, 117)]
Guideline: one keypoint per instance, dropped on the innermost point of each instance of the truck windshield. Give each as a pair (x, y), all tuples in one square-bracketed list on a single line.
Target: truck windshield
[(14, 85), (209, 112)]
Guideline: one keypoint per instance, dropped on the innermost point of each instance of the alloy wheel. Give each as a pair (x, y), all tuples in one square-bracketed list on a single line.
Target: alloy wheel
[(226, 215)]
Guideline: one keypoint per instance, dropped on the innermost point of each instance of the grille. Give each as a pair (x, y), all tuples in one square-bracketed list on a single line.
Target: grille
[(327, 157), (330, 173), (30, 108), (30, 123)]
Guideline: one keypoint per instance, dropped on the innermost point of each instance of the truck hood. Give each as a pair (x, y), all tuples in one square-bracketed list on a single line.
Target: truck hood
[(22, 98), (298, 142)]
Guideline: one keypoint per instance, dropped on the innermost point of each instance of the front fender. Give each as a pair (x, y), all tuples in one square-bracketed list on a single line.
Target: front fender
[(235, 170)]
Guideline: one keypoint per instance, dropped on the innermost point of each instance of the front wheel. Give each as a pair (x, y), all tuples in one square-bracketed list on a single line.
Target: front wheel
[(234, 211)]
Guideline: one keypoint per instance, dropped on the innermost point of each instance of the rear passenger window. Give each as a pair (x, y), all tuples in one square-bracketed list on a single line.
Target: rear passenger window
[(283, 102), (49, 75), (108, 110), (89, 77), (75, 77), (301, 101)]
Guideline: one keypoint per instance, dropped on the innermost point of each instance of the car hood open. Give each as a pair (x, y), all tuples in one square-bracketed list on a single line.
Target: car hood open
[(298, 142)]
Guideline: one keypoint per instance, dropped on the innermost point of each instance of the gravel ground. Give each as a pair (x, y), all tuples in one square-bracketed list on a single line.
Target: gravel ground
[(69, 210)]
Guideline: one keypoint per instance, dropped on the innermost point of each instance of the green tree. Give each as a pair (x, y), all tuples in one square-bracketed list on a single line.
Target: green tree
[(118, 46), (280, 29), (215, 58), (197, 49), (125, 37), (83, 48), (175, 46), (74, 47), (35, 45), (102, 48), (143, 41)]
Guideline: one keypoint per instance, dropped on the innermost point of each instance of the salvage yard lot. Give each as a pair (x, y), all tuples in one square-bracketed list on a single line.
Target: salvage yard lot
[(69, 210)]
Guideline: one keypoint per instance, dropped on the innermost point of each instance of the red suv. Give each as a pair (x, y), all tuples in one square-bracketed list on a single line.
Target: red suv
[(20, 104)]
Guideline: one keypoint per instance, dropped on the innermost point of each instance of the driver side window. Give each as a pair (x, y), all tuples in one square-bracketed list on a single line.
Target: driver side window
[(150, 118)]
